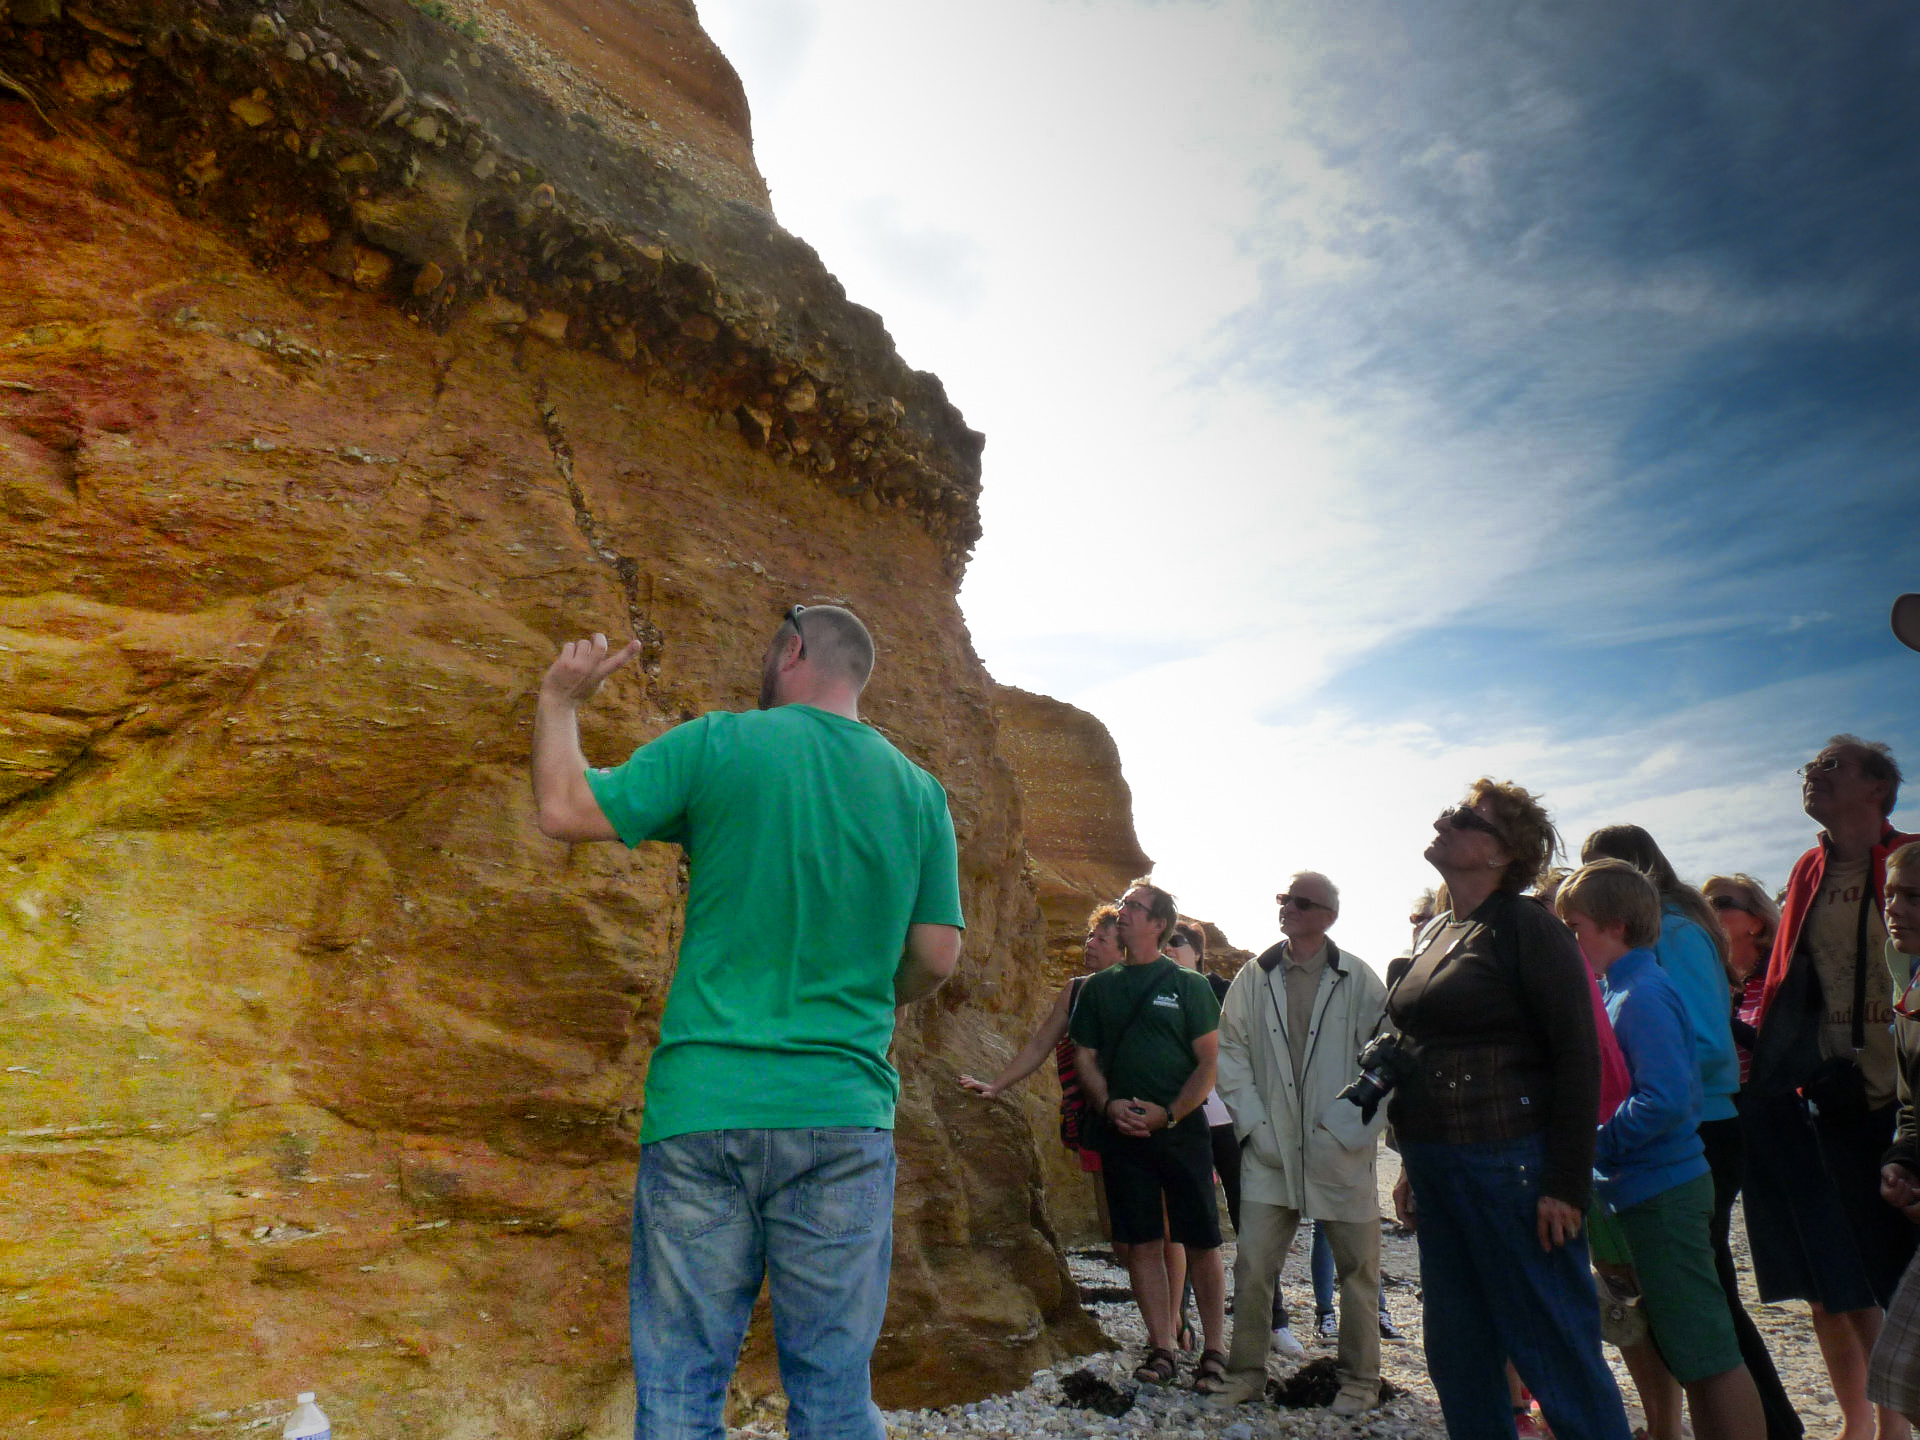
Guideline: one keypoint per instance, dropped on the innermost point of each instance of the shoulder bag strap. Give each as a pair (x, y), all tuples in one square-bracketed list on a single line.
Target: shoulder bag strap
[(1138, 1005), (1860, 967)]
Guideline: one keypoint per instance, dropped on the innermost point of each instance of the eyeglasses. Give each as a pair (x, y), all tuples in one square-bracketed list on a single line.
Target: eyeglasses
[(1825, 765), (792, 618), (1301, 902), (1140, 905), (1465, 817), (1728, 902), (1179, 942)]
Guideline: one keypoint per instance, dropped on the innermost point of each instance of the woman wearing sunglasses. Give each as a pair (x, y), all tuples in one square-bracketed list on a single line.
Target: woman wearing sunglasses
[(1747, 917), (1494, 1120)]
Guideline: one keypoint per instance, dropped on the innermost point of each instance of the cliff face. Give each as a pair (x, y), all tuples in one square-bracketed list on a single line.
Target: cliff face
[(342, 376)]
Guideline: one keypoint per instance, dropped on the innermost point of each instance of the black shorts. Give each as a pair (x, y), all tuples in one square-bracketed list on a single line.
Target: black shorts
[(1171, 1168)]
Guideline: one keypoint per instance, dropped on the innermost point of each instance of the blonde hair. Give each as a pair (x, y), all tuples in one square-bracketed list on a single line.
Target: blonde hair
[(1525, 830), (1756, 902), (1613, 892)]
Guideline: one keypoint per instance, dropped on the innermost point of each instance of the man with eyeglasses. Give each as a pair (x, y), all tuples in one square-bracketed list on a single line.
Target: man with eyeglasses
[(1291, 1030), (1146, 1042), (1822, 1085), (824, 892)]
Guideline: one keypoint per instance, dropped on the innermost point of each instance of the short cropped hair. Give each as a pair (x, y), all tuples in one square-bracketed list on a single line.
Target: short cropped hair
[(1525, 829), (835, 640), (1610, 892), (1195, 937), (1332, 889), (1160, 905), (1876, 763), (1907, 857)]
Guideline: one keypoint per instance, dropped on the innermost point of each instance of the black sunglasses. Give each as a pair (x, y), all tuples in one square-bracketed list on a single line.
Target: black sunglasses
[(1465, 817), (1179, 942), (792, 618), (1728, 902), (1301, 902)]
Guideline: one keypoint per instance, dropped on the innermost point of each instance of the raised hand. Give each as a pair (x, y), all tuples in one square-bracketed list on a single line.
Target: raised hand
[(582, 667)]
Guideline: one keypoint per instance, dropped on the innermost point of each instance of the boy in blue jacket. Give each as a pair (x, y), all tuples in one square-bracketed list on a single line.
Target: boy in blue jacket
[(1649, 1169)]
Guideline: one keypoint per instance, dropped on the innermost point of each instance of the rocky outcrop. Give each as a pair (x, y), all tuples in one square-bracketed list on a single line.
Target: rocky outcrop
[(1077, 814), (342, 375)]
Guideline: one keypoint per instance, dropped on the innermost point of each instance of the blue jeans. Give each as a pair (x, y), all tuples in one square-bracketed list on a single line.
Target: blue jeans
[(812, 1210), (1491, 1294)]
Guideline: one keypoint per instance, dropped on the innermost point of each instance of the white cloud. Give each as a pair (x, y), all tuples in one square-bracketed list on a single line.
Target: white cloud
[(1252, 415)]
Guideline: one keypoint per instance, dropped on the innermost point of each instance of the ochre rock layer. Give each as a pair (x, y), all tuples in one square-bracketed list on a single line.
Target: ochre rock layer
[(323, 1067)]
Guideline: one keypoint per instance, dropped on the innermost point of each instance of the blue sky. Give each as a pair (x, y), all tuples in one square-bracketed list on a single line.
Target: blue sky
[(1377, 396)]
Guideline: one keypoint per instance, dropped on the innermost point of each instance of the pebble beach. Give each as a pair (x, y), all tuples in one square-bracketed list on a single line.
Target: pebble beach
[(1043, 1408)]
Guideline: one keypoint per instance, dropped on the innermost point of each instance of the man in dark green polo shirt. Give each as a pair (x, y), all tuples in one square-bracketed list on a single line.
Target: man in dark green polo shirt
[(1146, 1038), (824, 892)]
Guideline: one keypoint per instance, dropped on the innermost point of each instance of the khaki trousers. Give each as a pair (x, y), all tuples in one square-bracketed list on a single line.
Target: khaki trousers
[(1266, 1234)]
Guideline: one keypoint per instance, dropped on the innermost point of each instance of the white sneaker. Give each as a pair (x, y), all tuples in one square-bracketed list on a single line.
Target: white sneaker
[(1285, 1343)]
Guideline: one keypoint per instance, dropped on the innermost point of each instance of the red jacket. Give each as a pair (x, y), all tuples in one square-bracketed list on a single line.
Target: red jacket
[(1802, 885)]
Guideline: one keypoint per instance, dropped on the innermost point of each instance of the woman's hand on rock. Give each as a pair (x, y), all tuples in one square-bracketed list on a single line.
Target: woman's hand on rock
[(979, 1087)]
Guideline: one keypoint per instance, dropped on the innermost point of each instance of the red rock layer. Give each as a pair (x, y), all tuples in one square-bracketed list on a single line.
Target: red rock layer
[(323, 1067)]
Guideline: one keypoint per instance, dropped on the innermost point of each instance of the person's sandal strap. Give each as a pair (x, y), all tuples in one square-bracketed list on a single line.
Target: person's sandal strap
[(1210, 1375), (1158, 1368)]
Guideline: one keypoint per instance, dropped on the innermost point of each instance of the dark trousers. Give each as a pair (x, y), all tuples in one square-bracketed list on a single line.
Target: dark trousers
[(1726, 1147)]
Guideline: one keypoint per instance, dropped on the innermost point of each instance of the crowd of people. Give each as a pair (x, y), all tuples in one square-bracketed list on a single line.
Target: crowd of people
[(1619, 1065), (1581, 1072)]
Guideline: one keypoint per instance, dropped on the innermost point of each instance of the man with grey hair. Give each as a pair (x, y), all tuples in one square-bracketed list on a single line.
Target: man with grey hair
[(1816, 1227), (825, 892), (1291, 1030)]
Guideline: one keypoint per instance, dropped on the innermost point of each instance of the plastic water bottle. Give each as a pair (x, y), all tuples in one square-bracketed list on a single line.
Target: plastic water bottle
[(308, 1421)]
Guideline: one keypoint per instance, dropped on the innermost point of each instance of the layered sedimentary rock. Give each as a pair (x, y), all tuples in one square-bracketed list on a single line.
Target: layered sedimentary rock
[(344, 373)]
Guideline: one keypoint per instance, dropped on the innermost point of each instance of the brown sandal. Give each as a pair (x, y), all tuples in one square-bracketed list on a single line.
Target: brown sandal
[(1158, 1368), (1210, 1375)]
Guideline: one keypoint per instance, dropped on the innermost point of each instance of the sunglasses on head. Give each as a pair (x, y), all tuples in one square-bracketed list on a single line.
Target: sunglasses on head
[(1301, 902), (1465, 817)]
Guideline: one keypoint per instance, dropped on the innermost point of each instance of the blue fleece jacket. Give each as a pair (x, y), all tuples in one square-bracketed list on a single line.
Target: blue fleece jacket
[(1686, 953), (1649, 1145)]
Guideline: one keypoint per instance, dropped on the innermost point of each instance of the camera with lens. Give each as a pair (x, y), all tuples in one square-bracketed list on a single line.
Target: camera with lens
[(1384, 1063)]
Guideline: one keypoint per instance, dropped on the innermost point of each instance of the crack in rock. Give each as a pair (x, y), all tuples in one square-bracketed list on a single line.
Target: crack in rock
[(652, 639)]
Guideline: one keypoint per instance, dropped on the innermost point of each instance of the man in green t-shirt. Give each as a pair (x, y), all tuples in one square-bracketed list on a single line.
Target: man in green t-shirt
[(1146, 1037), (824, 892)]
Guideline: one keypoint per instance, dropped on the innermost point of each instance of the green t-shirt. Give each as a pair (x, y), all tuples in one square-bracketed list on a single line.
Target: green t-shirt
[(1155, 1054), (812, 845)]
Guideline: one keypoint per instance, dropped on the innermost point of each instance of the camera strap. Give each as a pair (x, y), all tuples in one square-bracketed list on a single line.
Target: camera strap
[(1860, 966)]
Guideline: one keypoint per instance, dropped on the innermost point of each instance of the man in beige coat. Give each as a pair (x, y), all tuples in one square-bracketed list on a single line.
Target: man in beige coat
[(1291, 1028)]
